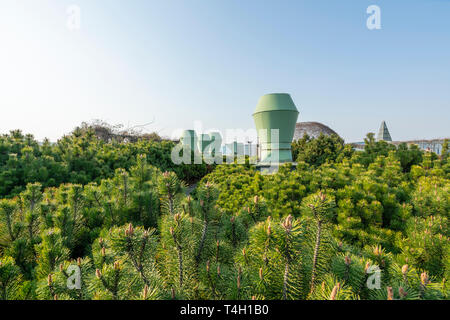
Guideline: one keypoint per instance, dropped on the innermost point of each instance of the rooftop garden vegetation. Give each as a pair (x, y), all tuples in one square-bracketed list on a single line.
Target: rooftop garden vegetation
[(113, 219)]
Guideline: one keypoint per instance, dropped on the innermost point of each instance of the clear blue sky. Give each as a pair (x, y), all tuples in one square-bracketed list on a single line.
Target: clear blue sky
[(179, 61)]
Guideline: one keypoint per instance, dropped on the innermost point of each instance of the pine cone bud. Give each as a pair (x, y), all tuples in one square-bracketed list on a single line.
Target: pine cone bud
[(269, 230), (49, 280), (218, 270), (173, 293), (390, 293), (367, 266), (261, 274), (116, 265), (103, 251), (130, 229), (348, 261), (232, 219), (402, 292), (145, 291), (253, 297), (287, 223), (405, 269), (202, 203), (98, 274), (55, 297), (377, 250), (322, 196), (171, 231), (207, 266), (61, 267), (334, 293), (79, 262), (244, 252), (256, 199), (424, 278)]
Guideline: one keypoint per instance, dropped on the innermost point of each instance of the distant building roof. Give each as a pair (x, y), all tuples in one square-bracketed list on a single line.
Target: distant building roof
[(383, 133), (312, 129), (434, 145)]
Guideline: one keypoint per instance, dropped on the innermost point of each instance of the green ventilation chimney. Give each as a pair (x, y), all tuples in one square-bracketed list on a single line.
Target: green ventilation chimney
[(275, 111)]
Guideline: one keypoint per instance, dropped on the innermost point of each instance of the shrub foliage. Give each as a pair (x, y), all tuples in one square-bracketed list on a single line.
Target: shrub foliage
[(87, 219)]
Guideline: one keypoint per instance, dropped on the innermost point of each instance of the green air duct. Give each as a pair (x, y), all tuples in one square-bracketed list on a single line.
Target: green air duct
[(275, 111)]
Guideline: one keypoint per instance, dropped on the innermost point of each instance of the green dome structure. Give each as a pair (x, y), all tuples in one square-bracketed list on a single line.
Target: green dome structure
[(275, 111)]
